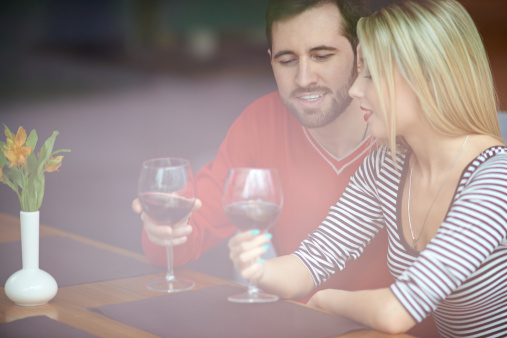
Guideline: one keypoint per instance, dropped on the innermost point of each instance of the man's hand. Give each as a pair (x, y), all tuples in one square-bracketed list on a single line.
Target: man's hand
[(160, 234)]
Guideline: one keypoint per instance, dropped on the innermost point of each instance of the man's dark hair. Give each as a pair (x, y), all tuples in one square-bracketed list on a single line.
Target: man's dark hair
[(350, 10)]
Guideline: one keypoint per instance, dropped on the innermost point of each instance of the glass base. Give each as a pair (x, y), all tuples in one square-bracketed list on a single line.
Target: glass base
[(253, 297), (162, 284)]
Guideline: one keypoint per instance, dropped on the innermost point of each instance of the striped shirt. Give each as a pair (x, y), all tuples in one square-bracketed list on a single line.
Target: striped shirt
[(461, 276)]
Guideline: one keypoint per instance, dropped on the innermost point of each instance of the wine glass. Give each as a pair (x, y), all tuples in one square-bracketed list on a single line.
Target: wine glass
[(252, 199), (167, 194)]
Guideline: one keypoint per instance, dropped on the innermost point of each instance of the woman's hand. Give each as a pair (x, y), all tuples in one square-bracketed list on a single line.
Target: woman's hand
[(160, 234), (245, 250)]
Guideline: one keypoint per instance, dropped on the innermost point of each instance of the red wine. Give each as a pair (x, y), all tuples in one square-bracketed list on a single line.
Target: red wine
[(250, 215), (165, 208)]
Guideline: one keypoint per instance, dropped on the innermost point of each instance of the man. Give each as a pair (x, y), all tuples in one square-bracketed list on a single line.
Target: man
[(310, 130)]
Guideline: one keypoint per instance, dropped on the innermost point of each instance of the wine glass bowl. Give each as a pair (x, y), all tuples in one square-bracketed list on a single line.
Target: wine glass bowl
[(252, 214), (166, 190), (252, 199)]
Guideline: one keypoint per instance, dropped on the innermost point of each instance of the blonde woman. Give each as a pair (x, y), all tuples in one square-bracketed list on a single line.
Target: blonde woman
[(439, 184)]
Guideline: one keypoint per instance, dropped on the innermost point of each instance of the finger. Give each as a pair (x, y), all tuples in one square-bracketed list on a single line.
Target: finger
[(253, 271), (197, 205), (180, 231), (247, 236), (179, 240), (253, 255), (165, 241), (162, 231), (136, 206), (157, 240), (246, 242)]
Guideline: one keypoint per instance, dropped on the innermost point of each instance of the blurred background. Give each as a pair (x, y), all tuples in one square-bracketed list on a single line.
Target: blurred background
[(124, 81)]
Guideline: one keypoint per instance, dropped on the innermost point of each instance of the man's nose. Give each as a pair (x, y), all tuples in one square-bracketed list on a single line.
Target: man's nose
[(307, 74)]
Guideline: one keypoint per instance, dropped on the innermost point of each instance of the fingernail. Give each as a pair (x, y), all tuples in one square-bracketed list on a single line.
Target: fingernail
[(261, 261), (268, 235), (265, 247), (255, 232)]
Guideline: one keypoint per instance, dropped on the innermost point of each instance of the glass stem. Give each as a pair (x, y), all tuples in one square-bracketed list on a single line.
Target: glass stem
[(169, 252), (253, 290)]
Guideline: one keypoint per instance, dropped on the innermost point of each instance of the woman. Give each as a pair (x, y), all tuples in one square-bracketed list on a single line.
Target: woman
[(439, 184)]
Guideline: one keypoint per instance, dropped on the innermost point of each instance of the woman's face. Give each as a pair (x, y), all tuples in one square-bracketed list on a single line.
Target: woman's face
[(406, 109)]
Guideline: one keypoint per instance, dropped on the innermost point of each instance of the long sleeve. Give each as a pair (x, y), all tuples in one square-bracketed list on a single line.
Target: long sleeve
[(470, 246), (350, 225), (460, 277)]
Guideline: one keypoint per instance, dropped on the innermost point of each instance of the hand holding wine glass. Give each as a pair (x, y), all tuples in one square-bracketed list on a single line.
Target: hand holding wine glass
[(159, 234), (252, 200), (166, 193)]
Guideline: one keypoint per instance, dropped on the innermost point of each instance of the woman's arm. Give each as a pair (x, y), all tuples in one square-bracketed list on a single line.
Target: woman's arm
[(378, 309)]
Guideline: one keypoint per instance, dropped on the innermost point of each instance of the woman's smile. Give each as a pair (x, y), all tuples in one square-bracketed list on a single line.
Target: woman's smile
[(367, 113)]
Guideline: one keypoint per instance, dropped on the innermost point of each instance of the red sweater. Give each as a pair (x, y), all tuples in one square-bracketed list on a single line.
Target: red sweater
[(266, 135)]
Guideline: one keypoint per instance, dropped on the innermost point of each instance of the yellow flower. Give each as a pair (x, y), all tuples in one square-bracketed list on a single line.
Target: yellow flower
[(15, 149), (54, 163), (1, 174)]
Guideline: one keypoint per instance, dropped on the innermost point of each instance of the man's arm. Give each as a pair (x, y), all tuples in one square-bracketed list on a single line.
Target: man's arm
[(210, 225)]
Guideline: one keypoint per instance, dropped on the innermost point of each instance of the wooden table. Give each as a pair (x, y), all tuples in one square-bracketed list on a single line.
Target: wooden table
[(71, 303)]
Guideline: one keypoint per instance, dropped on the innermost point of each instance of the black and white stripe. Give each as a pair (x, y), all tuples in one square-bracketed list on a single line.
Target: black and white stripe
[(461, 276)]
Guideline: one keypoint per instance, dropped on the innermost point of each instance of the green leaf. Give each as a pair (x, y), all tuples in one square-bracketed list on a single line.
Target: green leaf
[(40, 193), (45, 152), (3, 160), (14, 174), (32, 139), (31, 163), (34, 197), (60, 151), (24, 199), (31, 196)]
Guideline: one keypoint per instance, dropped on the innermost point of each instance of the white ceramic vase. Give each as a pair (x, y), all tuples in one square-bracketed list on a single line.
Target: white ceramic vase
[(30, 286)]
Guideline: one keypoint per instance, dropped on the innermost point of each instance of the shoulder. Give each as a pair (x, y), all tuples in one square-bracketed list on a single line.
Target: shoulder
[(493, 157), (380, 171), (491, 163), (381, 158)]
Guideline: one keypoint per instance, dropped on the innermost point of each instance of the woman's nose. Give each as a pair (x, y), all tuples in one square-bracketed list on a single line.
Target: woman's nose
[(356, 90)]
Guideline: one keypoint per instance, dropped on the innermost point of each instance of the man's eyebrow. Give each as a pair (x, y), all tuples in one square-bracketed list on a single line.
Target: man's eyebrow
[(282, 53), (314, 49), (324, 48)]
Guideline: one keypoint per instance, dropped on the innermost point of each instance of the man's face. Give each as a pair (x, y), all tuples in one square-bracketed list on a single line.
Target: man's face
[(313, 64)]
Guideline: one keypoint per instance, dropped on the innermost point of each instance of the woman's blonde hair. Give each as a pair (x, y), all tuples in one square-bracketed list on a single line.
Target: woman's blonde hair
[(436, 47)]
